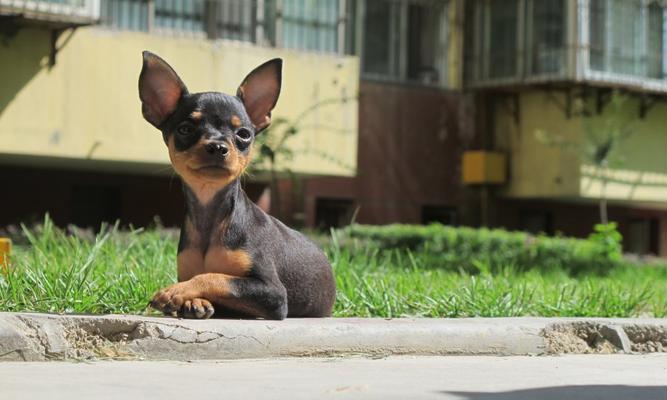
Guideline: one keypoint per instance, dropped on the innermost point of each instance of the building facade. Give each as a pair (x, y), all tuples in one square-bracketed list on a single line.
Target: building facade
[(523, 114), (572, 92), (565, 96), (415, 119), (72, 138)]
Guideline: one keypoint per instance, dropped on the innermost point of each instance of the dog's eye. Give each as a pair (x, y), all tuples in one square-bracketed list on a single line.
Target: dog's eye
[(244, 135), (186, 129)]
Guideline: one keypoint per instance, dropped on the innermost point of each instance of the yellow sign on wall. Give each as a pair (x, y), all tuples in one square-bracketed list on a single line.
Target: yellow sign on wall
[(5, 250), (484, 168)]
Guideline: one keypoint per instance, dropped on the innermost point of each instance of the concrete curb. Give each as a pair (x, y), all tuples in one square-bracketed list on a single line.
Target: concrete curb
[(38, 337)]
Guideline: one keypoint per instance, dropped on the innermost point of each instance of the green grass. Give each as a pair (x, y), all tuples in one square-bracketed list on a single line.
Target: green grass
[(118, 272), (398, 284)]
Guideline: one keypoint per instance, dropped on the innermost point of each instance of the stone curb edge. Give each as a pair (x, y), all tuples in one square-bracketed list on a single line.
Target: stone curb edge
[(39, 337)]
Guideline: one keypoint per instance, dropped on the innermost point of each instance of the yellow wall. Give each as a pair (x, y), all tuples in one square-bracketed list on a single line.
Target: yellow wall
[(87, 106), (535, 168), (548, 156), (639, 167)]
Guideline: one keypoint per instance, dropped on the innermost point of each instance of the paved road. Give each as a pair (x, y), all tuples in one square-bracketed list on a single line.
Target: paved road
[(473, 378)]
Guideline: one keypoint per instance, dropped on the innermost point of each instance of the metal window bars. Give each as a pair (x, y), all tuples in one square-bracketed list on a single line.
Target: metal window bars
[(65, 11), (403, 40), (612, 42), (313, 25)]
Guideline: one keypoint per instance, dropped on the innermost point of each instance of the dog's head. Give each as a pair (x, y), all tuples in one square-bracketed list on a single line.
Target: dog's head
[(209, 135)]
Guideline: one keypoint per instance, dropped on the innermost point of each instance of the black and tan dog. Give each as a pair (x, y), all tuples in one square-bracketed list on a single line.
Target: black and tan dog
[(233, 259)]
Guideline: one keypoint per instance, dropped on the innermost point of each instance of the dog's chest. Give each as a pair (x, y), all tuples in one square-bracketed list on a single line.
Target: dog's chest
[(217, 258)]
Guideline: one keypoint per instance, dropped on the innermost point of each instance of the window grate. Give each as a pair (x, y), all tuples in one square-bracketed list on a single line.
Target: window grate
[(296, 24), (405, 40), (67, 12), (125, 14), (618, 42), (180, 15)]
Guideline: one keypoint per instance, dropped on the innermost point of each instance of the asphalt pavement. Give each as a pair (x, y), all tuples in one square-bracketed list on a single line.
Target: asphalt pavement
[(587, 377)]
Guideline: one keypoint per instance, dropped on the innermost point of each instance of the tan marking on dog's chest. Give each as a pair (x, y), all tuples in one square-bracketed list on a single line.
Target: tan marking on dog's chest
[(193, 261), (225, 261)]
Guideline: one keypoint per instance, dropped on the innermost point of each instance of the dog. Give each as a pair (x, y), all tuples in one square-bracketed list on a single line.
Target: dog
[(234, 260)]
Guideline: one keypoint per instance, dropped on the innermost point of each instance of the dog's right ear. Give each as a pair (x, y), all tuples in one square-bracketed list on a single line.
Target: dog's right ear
[(160, 89)]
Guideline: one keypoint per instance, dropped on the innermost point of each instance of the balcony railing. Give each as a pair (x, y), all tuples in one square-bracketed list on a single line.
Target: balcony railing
[(68, 12), (619, 43), (303, 25)]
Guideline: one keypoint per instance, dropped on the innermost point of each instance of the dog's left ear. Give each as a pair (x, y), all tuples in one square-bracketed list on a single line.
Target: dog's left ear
[(160, 89), (259, 92)]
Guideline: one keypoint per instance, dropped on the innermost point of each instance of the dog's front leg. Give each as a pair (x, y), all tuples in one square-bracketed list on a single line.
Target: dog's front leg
[(196, 297)]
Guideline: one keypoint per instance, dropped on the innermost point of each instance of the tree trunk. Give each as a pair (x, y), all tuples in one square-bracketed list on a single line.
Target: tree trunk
[(603, 195)]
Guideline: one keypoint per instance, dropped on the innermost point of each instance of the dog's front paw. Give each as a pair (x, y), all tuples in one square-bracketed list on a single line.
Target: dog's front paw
[(180, 300), (197, 308)]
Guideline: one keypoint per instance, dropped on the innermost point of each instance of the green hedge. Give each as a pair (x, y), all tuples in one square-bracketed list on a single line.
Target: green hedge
[(472, 249)]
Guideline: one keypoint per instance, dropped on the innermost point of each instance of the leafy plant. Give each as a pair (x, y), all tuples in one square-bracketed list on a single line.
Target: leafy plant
[(465, 249), (274, 149), (610, 241)]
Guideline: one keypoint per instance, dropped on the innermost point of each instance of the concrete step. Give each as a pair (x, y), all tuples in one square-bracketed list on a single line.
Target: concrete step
[(38, 337)]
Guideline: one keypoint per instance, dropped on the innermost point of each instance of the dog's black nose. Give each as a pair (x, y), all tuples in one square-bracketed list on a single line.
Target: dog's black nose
[(217, 148)]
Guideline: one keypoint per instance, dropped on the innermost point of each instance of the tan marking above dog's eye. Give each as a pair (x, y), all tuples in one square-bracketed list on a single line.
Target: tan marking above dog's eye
[(195, 115), (236, 121)]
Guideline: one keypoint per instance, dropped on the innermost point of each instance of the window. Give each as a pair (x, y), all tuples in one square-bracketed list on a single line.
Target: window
[(509, 40), (425, 49), (405, 40), (656, 42), (57, 13), (180, 15), (228, 19), (643, 236), (624, 46), (129, 15), (492, 50), (627, 37), (536, 222), (380, 40), (234, 20), (613, 41), (506, 35), (310, 25), (547, 40), (597, 34), (441, 214), (502, 38)]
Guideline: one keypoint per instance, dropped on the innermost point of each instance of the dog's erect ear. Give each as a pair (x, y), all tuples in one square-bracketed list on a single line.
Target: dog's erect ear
[(160, 89), (259, 92)]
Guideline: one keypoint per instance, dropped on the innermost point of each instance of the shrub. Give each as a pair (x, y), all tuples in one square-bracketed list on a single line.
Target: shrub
[(462, 248)]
